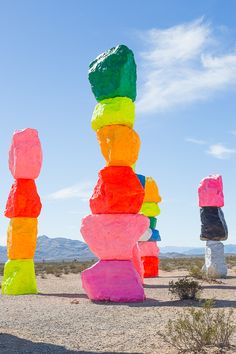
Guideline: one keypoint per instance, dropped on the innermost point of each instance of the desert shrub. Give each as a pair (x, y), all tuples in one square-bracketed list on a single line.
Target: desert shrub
[(196, 272), (185, 288), (196, 329)]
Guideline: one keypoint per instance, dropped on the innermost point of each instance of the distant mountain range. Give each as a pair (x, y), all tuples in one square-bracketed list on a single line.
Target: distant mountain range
[(61, 248)]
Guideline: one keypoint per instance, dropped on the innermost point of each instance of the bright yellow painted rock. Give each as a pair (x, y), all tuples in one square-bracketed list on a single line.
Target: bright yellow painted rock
[(118, 110), (119, 145), (21, 238), (19, 277), (151, 191), (150, 209)]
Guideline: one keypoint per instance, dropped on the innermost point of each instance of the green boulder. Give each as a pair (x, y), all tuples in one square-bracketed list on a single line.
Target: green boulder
[(19, 277), (153, 222), (113, 74)]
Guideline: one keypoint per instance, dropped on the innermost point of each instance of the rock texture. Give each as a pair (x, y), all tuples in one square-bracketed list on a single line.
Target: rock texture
[(151, 191), (113, 74), (23, 200), (117, 110), (210, 192), (118, 191), (213, 225), (119, 145), (113, 236), (19, 277), (150, 209), (25, 155), (215, 266), (116, 281)]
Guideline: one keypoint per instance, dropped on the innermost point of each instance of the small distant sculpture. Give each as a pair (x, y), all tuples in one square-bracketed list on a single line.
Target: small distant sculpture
[(213, 225)]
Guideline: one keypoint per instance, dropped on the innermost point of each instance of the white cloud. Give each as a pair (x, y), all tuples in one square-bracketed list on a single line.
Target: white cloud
[(180, 67), (196, 141), (81, 190), (220, 151)]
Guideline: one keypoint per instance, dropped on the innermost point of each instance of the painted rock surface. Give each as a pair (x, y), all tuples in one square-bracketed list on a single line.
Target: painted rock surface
[(148, 249), (21, 238), (150, 266), (113, 74), (137, 262), (215, 265), (150, 209), (155, 235), (19, 277), (153, 222), (117, 110), (141, 179), (116, 281), (111, 236), (119, 145), (118, 191), (151, 191), (146, 235), (213, 225), (210, 192), (25, 155), (23, 200)]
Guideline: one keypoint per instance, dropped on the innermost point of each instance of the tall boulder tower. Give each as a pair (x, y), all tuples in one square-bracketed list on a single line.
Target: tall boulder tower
[(115, 225)]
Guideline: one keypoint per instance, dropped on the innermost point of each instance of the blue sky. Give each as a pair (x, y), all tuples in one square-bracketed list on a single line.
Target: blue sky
[(186, 57)]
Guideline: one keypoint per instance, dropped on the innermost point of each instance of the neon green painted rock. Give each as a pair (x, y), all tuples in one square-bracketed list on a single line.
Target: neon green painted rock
[(118, 110), (150, 209), (113, 74), (19, 277), (153, 222)]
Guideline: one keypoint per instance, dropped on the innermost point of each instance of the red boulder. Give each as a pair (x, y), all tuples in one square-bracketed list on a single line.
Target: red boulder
[(118, 191), (23, 200)]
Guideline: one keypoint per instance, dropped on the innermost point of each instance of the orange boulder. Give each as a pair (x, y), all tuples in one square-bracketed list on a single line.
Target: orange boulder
[(118, 191), (21, 238), (23, 200), (151, 191), (119, 145)]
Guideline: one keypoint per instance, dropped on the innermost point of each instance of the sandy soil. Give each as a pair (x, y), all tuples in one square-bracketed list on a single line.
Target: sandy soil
[(61, 319)]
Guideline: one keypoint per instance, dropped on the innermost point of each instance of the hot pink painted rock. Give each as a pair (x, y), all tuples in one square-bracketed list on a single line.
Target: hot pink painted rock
[(137, 261), (113, 236), (148, 249), (210, 192), (25, 155), (116, 281)]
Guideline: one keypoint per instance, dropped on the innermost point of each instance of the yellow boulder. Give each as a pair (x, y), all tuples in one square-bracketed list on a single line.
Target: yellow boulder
[(150, 209), (21, 238), (151, 191), (118, 110), (19, 277), (119, 145)]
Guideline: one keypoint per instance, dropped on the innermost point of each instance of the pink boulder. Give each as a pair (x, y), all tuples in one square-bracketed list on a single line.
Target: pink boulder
[(113, 236), (210, 192), (148, 248), (25, 155), (116, 281), (137, 261)]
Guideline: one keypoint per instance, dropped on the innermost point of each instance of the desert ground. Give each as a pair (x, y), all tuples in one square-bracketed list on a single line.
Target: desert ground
[(61, 319)]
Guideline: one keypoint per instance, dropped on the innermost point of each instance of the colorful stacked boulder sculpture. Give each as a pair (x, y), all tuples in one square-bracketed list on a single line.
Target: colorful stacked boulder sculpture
[(213, 225), (149, 250), (23, 208), (115, 225)]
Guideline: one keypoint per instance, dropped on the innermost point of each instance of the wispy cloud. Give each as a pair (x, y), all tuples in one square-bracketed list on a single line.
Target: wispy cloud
[(180, 66), (220, 151), (196, 141), (81, 190)]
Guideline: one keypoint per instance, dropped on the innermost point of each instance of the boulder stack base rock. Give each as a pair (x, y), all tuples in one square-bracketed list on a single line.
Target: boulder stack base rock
[(115, 226), (23, 207), (213, 225)]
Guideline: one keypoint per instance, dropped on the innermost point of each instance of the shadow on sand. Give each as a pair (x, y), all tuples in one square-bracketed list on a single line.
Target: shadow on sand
[(10, 344)]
